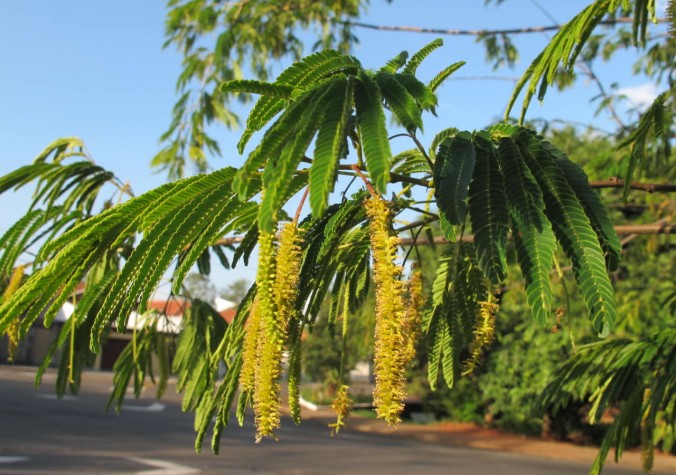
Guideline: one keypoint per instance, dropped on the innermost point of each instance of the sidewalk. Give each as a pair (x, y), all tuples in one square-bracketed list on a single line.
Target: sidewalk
[(472, 436)]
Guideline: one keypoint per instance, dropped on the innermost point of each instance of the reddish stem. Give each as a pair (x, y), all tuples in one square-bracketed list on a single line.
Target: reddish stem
[(366, 181), (300, 206)]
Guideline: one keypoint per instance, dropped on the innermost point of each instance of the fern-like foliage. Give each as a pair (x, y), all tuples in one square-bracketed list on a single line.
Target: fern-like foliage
[(317, 96), (65, 194), (573, 230), (518, 182), (656, 118), (457, 291), (566, 45), (488, 210), (453, 172), (499, 184), (641, 375)]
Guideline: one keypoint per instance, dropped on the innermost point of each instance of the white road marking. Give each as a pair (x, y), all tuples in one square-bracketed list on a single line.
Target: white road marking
[(154, 407), (65, 397), (12, 459), (163, 467)]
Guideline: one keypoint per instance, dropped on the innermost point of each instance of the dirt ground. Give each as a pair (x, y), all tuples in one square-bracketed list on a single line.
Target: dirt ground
[(470, 435)]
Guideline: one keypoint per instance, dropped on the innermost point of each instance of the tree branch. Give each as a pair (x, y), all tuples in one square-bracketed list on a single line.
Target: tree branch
[(615, 182), (621, 229), (397, 178), (507, 31)]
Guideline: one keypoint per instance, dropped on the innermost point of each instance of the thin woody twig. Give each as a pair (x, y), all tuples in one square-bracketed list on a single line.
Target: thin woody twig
[(615, 182), (454, 32)]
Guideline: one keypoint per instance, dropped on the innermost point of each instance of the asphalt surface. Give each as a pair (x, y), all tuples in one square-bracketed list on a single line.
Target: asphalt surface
[(40, 434)]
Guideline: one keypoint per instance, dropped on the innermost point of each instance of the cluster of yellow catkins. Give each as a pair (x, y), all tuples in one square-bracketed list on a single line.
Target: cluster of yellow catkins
[(268, 325), (12, 331), (398, 306), (397, 317), (341, 406), (484, 334)]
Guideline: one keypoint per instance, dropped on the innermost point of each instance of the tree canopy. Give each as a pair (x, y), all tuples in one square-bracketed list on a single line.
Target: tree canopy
[(505, 201)]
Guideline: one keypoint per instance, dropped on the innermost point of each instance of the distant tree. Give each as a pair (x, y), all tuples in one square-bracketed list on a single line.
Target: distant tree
[(235, 291), (198, 286)]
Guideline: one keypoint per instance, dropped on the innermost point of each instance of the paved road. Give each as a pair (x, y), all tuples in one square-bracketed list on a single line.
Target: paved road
[(42, 435)]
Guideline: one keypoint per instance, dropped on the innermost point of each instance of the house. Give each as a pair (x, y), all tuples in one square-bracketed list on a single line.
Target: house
[(33, 349)]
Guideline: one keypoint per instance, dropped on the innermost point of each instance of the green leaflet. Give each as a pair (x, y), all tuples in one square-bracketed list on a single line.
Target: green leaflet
[(450, 361), (563, 50), (447, 133), (60, 275), (247, 245), (467, 291), (317, 66), (436, 334), (158, 207), (410, 161), (395, 64), (312, 244), (444, 74), (437, 326), (401, 103), (23, 175), (453, 171), (456, 292), (61, 149), (203, 330), (372, 130), (227, 396), (531, 230), (638, 374), (360, 282), (279, 170), (263, 112), (131, 210), (14, 241), (75, 184), (153, 255), (336, 300), (323, 256), (594, 209), (419, 57), (469, 288), (274, 141), (330, 143), (573, 230), (653, 118), (270, 210), (210, 233), (644, 11), (263, 88), (488, 211), (423, 95), (448, 229)]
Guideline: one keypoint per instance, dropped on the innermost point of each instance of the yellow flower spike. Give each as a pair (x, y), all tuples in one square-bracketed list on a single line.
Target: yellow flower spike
[(277, 280), (484, 334), (12, 330), (266, 387), (342, 405), (411, 323), (389, 362), (286, 289), (247, 375), (288, 273)]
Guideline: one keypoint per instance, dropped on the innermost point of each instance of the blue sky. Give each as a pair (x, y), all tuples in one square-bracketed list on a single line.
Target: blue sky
[(97, 70)]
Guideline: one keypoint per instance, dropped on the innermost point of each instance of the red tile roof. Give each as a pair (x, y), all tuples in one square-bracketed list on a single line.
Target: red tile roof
[(173, 307), (176, 308)]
